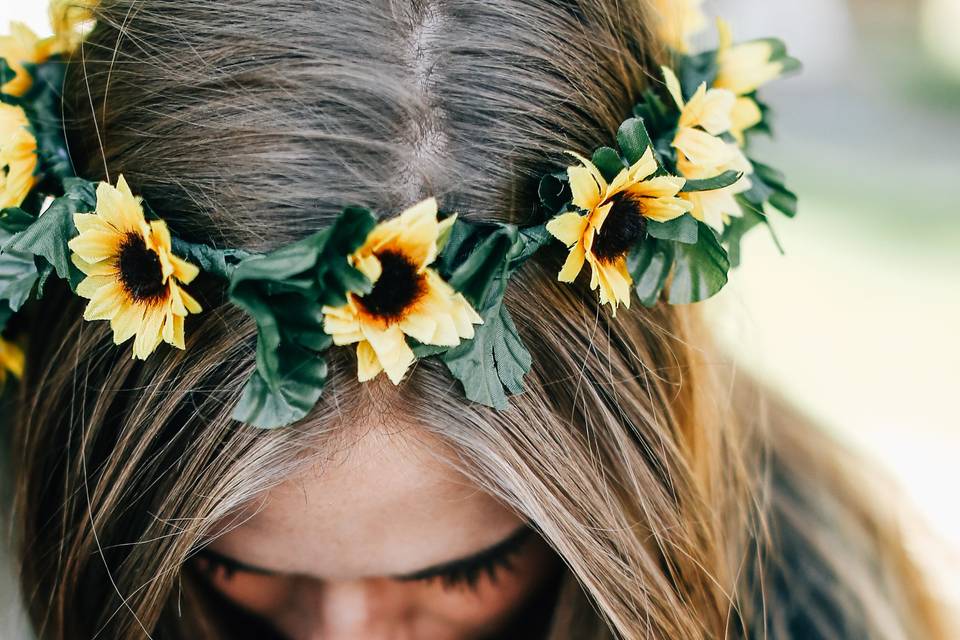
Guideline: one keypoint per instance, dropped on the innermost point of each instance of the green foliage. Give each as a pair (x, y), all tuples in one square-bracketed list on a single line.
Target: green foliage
[(47, 235), (480, 260), (18, 276), (725, 179), (285, 292), (695, 271), (683, 229), (700, 270)]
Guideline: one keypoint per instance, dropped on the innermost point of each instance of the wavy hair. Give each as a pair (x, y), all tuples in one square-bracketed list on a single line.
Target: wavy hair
[(681, 506)]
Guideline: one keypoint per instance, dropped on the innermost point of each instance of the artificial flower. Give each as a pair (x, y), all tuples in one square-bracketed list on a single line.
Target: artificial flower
[(12, 361), (408, 298), (18, 156), (742, 69), (71, 21), (702, 153), (133, 278), (679, 21), (615, 219), (22, 46)]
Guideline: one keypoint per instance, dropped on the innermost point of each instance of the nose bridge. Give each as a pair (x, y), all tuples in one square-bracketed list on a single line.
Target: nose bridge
[(357, 610)]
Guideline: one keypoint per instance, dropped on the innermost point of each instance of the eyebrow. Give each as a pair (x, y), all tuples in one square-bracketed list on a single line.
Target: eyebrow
[(498, 550)]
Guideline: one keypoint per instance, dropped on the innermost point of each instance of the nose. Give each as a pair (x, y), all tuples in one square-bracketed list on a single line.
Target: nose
[(357, 610)]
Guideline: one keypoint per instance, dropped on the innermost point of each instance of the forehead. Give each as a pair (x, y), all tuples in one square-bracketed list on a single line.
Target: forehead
[(386, 504)]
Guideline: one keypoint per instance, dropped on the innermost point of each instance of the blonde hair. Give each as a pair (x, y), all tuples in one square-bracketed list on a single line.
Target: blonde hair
[(678, 509)]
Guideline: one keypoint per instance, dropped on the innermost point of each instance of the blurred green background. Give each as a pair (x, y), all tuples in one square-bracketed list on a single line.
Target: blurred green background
[(859, 322)]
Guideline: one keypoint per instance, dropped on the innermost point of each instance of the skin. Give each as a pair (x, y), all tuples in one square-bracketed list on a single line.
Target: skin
[(342, 546)]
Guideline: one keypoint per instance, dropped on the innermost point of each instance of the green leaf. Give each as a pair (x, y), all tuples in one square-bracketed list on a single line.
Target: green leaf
[(649, 265), (495, 360), (700, 270), (265, 408), (725, 179), (737, 228), (49, 234), (18, 275), (554, 192), (682, 229), (609, 162), (285, 292), (218, 262), (634, 140), (14, 220), (779, 196), (692, 71)]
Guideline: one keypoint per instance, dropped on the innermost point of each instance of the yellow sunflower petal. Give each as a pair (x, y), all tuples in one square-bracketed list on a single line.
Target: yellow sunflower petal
[(465, 317), (413, 233), (101, 268), (568, 227), (701, 148), (391, 347), (94, 246), (659, 187), (184, 271), (643, 168), (586, 184), (613, 281), (90, 285), (105, 301), (126, 322), (573, 264), (665, 209), (150, 334), (342, 324), (12, 359), (673, 86), (368, 366), (709, 110), (21, 46), (118, 206), (420, 326)]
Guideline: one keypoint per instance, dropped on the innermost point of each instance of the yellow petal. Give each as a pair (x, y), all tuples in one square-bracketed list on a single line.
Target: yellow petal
[(419, 326), (101, 268), (149, 335), (368, 366), (89, 286), (369, 265), (665, 209), (746, 114), (94, 246), (105, 301), (613, 282), (413, 233), (673, 86), (183, 271), (573, 264), (126, 322), (586, 183), (659, 187), (701, 148), (709, 110), (568, 227), (643, 168), (12, 359), (391, 347)]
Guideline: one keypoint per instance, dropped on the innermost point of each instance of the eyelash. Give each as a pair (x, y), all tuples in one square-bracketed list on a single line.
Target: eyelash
[(467, 573), (470, 573)]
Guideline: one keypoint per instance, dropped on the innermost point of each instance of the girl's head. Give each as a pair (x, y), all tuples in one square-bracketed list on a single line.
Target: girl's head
[(619, 487)]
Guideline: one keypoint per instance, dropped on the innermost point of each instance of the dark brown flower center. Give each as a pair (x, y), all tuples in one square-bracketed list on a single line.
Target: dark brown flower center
[(398, 287), (140, 270), (624, 226)]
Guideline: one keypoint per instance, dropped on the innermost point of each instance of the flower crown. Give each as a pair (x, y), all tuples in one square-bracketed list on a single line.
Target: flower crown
[(661, 216)]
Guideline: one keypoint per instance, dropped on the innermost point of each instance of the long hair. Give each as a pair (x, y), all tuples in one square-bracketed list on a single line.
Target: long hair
[(679, 510)]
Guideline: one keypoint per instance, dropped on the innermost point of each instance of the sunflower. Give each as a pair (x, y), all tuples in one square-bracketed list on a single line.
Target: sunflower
[(408, 298), (702, 153), (133, 279), (71, 21), (680, 20), (742, 69), (22, 46), (12, 361), (18, 156), (615, 219)]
